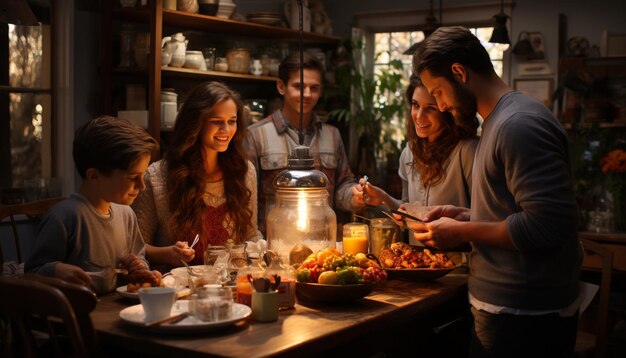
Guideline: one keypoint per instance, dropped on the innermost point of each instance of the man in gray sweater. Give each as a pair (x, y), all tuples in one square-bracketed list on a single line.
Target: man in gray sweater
[(526, 258)]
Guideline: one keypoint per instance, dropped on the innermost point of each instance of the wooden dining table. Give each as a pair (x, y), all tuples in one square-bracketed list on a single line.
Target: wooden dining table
[(399, 316)]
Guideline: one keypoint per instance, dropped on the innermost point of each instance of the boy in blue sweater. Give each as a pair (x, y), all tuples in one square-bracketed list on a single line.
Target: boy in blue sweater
[(85, 237)]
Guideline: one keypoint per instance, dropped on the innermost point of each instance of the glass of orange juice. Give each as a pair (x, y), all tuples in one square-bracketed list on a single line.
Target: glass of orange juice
[(355, 238)]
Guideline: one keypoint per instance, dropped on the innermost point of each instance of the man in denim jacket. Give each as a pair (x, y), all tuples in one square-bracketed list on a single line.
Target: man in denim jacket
[(270, 141)]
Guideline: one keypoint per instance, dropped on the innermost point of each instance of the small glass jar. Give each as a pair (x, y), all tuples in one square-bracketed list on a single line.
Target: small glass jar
[(209, 57), (244, 288), (287, 288), (383, 232), (211, 303), (355, 238)]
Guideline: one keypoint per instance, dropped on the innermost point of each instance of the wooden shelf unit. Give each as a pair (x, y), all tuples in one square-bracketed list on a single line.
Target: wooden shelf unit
[(156, 17), (215, 75)]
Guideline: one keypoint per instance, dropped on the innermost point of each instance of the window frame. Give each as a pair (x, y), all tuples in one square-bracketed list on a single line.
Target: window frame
[(469, 15), (62, 123)]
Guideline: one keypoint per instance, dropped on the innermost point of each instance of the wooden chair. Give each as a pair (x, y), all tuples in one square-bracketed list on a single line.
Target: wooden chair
[(590, 344), (31, 305), (35, 208)]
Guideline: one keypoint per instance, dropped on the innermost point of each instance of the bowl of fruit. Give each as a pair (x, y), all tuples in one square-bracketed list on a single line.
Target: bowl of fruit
[(330, 277)]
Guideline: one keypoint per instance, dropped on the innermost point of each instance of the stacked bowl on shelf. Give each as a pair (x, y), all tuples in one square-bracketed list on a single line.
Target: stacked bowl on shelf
[(226, 9), (264, 17)]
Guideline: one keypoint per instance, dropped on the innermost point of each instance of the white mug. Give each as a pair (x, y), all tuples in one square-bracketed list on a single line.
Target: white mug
[(168, 115), (157, 302)]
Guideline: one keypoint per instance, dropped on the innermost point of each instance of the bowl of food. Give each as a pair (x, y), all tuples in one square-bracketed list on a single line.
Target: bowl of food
[(315, 292), (330, 277), (417, 262)]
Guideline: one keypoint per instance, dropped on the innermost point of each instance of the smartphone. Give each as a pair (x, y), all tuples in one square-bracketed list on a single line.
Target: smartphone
[(405, 215)]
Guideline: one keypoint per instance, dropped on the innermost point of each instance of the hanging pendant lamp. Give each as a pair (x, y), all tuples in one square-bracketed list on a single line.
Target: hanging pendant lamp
[(500, 32), (301, 218), (431, 25)]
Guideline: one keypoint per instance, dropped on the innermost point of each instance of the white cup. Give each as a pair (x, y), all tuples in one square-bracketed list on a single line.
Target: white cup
[(157, 302), (168, 115)]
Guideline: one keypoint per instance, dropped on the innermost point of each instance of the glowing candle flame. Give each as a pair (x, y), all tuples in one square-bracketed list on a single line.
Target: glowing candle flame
[(303, 213)]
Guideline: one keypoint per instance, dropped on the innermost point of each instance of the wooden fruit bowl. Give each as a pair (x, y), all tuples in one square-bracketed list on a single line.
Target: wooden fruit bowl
[(315, 292)]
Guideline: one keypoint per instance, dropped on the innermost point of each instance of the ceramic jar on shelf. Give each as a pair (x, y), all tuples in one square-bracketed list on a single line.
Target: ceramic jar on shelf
[(238, 60), (226, 9), (221, 64), (176, 45), (187, 5), (208, 7), (194, 60), (256, 68)]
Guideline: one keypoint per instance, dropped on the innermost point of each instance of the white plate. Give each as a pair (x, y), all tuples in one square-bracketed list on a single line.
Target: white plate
[(123, 291), (135, 316), (182, 271)]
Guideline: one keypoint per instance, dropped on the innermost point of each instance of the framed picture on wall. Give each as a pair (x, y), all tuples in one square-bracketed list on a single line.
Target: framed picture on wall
[(537, 88)]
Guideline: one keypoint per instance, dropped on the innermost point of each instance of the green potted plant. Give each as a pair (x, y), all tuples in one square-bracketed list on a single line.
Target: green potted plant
[(376, 100)]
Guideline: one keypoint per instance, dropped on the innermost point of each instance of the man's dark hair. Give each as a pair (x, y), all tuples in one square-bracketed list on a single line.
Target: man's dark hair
[(449, 45), (292, 63)]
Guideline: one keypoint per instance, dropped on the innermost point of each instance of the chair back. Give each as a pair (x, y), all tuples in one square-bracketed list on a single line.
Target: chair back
[(35, 208), (35, 303), (602, 317)]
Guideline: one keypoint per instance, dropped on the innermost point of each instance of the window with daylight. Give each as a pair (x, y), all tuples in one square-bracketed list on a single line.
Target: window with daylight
[(389, 46), (25, 102)]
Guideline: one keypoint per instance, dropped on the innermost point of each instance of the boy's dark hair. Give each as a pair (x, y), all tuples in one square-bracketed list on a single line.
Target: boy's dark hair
[(292, 63), (449, 45), (107, 143)]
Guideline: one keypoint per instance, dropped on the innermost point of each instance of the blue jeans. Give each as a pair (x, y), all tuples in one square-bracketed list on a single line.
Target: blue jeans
[(507, 335)]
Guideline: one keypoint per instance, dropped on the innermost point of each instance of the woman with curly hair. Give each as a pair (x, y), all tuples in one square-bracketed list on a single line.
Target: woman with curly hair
[(204, 185), (436, 165)]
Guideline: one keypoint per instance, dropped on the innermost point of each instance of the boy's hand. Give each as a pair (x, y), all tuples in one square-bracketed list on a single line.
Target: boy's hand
[(132, 263), (71, 273), (182, 251)]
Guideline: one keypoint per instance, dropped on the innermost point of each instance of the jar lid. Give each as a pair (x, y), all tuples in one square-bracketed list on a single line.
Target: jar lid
[(300, 179)]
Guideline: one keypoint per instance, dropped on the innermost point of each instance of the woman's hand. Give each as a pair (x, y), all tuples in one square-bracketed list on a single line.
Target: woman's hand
[(367, 194), (181, 251), (374, 195), (357, 198), (71, 273)]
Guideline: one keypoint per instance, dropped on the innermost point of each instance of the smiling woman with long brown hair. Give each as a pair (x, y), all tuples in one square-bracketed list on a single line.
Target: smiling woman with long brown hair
[(436, 164), (204, 185)]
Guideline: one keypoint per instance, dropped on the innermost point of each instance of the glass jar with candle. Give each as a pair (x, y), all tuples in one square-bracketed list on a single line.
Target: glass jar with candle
[(301, 216), (355, 238), (301, 219)]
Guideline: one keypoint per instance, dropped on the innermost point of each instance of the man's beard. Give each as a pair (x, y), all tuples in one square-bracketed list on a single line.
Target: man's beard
[(465, 106)]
